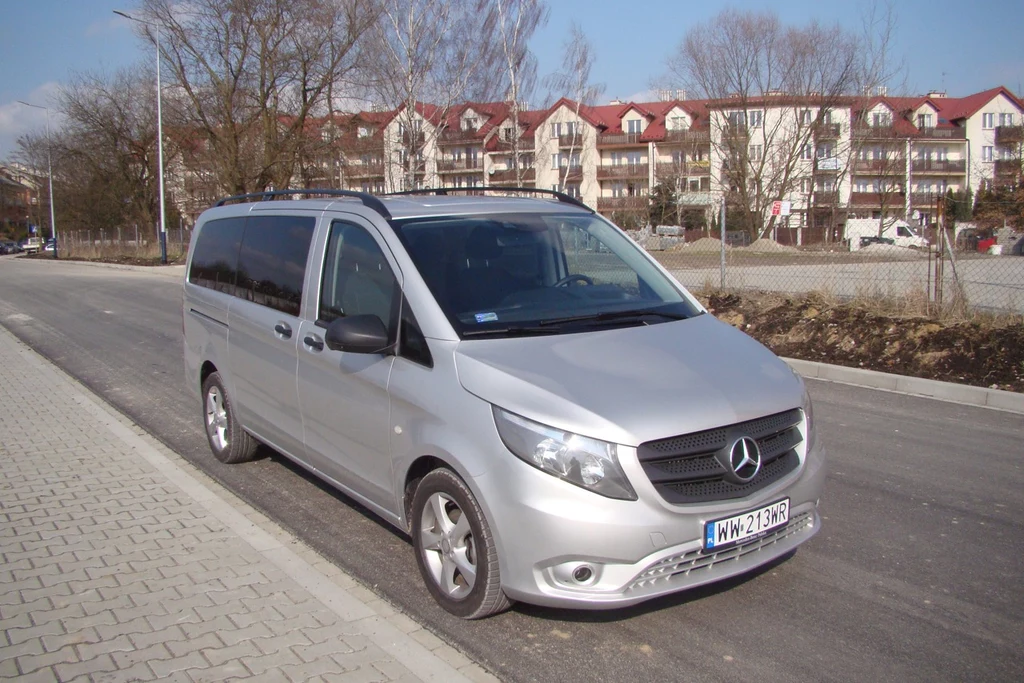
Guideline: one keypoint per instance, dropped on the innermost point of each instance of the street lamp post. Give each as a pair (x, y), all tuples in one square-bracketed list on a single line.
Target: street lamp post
[(159, 134), (49, 172)]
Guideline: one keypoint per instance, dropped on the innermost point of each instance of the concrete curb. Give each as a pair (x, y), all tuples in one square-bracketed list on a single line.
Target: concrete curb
[(176, 271), (914, 386)]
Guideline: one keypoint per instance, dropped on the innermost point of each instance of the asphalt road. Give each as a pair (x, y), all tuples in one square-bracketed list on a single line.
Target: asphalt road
[(916, 575)]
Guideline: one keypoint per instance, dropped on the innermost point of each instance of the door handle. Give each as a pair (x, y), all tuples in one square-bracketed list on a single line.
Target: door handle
[(313, 343), (283, 330)]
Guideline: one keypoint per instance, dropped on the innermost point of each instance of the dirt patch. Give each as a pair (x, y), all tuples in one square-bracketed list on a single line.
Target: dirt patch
[(988, 352)]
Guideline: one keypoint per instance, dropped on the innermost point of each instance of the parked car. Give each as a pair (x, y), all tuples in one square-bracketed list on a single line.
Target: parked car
[(550, 422), (9, 247), (50, 245)]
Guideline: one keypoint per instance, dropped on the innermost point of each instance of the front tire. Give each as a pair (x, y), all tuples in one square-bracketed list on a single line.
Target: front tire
[(454, 547), (229, 442)]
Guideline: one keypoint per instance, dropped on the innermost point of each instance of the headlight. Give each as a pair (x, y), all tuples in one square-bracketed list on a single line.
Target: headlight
[(811, 437), (588, 463)]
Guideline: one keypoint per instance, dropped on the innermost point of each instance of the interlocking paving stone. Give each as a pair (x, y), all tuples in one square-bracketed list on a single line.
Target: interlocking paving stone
[(120, 563)]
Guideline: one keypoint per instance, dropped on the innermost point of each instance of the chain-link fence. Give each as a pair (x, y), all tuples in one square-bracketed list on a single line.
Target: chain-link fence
[(124, 243), (950, 276)]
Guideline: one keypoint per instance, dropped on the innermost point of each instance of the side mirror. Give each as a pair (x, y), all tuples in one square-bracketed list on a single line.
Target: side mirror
[(357, 334)]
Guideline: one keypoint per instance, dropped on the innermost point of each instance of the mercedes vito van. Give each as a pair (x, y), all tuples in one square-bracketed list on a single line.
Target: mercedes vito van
[(510, 380)]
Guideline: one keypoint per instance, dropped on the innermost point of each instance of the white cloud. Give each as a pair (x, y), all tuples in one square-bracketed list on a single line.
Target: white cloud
[(16, 119)]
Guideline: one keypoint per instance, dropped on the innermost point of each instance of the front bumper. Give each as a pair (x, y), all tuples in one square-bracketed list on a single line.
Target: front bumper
[(632, 551)]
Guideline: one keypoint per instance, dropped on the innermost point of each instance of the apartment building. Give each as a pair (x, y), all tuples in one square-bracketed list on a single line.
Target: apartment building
[(824, 160)]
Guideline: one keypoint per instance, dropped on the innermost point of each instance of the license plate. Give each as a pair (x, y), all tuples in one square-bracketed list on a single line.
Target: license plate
[(731, 530)]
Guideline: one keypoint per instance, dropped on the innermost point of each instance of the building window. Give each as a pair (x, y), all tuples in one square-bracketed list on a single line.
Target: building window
[(755, 152), (573, 190), (881, 119), (826, 185), (805, 117), (1006, 119), (924, 120), (633, 126), (826, 151), (988, 120), (555, 158), (363, 132), (1007, 153), (619, 189), (986, 154), (633, 158), (806, 153), (756, 117), (677, 123), (469, 123), (805, 185), (556, 130)]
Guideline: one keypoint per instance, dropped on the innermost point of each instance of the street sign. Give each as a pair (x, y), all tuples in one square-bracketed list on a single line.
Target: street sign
[(780, 208)]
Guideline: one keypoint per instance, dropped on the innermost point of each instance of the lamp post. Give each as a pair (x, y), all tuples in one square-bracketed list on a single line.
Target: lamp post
[(159, 135), (49, 172)]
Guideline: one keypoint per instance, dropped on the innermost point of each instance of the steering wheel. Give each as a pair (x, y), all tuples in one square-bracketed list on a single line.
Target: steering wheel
[(573, 277)]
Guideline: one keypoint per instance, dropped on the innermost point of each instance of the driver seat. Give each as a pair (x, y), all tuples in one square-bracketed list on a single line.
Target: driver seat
[(480, 282)]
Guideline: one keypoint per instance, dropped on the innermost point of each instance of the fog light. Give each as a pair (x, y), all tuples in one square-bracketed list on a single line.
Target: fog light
[(583, 573)]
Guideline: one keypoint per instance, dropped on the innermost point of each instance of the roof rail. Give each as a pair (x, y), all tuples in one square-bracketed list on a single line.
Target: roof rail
[(367, 199), (561, 196)]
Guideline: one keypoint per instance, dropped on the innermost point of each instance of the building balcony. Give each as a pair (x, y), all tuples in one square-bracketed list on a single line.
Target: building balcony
[(942, 133), (623, 171), (570, 173), (937, 166), (1009, 135), (872, 199), (454, 136), (506, 176), (365, 144), (1007, 167), (458, 165), (924, 199), (620, 140), (826, 198), (526, 144), (372, 169), (828, 131), (827, 164), (687, 136), (876, 132), (622, 203), (670, 169), (573, 141), (893, 166), (687, 198)]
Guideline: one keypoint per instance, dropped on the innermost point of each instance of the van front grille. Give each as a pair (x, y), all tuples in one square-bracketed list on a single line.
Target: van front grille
[(694, 468)]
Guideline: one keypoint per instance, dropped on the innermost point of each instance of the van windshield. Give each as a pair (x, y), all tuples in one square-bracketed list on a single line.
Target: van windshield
[(516, 274)]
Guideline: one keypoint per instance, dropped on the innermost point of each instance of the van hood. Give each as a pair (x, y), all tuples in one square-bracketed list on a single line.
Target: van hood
[(634, 384)]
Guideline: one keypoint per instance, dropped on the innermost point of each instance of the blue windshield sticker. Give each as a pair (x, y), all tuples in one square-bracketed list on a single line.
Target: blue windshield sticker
[(486, 317)]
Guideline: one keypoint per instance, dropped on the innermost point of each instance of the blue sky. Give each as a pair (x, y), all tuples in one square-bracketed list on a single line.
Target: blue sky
[(964, 47)]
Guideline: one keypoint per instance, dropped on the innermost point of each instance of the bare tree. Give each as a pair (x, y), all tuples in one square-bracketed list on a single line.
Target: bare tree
[(424, 59), (573, 81), (104, 154), (249, 74), (515, 23), (772, 90)]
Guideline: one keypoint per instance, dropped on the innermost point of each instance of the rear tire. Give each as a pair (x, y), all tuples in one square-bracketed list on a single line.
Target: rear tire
[(229, 442), (454, 547)]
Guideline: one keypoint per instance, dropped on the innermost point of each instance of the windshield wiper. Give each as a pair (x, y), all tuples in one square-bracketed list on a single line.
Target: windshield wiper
[(637, 315), (510, 331)]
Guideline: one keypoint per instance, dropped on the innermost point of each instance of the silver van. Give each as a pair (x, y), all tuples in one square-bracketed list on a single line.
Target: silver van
[(548, 414)]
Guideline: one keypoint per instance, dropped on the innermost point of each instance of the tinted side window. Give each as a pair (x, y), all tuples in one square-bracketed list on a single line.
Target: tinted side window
[(272, 260), (215, 258), (357, 278)]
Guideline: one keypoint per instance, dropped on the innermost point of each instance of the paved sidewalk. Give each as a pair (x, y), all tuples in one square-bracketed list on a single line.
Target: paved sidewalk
[(121, 562)]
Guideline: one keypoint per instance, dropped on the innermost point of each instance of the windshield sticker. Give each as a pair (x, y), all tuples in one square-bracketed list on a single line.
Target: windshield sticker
[(486, 317)]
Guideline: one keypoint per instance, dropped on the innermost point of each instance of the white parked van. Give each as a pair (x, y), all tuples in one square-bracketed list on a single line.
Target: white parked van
[(511, 381), (861, 232)]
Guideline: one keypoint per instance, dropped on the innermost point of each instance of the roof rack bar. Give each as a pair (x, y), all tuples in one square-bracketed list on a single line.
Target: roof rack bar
[(561, 196), (367, 199)]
